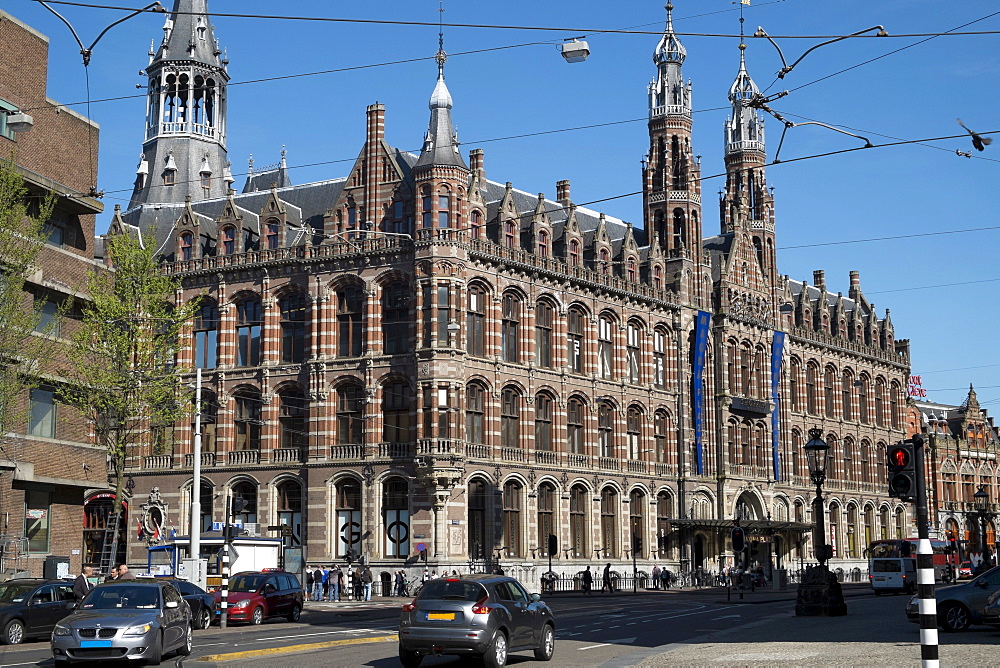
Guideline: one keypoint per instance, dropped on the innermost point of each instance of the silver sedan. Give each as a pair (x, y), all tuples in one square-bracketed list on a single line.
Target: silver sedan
[(137, 621)]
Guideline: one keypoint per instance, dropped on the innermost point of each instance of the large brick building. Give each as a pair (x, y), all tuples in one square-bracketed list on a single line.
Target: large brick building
[(414, 353), (53, 493)]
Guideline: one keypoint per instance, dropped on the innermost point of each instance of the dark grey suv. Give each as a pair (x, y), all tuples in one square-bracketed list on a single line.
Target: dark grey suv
[(475, 615)]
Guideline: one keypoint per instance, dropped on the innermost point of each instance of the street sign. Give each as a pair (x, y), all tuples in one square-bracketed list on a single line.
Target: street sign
[(421, 547)]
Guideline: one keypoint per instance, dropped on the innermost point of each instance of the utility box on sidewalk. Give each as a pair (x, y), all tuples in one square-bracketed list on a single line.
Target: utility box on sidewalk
[(779, 579)]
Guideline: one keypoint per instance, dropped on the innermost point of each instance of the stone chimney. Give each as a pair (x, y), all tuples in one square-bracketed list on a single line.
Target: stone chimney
[(476, 163), (819, 280), (562, 192)]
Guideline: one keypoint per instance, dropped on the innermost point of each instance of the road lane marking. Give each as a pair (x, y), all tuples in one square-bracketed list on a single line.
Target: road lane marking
[(715, 619), (322, 633), (603, 644), (254, 653)]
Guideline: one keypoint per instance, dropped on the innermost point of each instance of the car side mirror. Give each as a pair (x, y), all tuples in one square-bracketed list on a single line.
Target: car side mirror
[(535, 598), (171, 604)]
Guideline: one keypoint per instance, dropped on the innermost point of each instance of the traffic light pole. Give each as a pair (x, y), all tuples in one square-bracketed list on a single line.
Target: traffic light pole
[(224, 595), (925, 566)]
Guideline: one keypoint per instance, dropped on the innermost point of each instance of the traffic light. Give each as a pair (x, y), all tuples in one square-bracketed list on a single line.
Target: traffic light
[(902, 471), (553, 544), (739, 539)]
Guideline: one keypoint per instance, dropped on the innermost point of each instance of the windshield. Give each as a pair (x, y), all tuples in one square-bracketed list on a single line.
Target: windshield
[(129, 598), (249, 583), (443, 590), (14, 593)]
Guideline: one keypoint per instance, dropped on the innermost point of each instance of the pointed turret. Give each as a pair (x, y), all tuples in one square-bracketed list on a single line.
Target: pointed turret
[(441, 142), (667, 92), (184, 152)]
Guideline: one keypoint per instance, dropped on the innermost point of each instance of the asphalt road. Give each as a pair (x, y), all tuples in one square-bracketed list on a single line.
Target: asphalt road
[(617, 631)]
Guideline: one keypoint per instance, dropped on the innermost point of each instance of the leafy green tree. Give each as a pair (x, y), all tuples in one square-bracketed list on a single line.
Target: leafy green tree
[(22, 236), (121, 364)]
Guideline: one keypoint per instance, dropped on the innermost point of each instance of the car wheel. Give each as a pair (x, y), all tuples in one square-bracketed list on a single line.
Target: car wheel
[(185, 649), (204, 618), (496, 655), (155, 652), (547, 647), (955, 617), (258, 616), (410, 659), (13, 633), (296, 612)]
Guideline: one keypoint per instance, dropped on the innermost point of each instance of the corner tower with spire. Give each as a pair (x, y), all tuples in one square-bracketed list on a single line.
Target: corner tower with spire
[(671, 175), (746, 205), (184, 150)]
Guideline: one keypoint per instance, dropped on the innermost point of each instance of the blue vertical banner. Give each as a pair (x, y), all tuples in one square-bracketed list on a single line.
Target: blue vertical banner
[(777, 354), (701, 325)]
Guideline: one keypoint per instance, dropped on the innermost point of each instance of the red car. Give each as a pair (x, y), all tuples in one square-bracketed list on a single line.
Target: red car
[(256, 596)]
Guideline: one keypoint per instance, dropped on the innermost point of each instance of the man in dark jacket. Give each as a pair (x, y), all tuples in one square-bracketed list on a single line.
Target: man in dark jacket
[(588, 581), (607, 580), (82, 585), (317, 593), (366, 579)]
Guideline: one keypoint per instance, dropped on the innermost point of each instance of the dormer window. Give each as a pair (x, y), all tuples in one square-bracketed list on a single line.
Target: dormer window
[(510, 235), (658, 277), (271, 235), (229, 240), (631, 270), (543, 244), (186, 246), (605, 261), (169, 177), (574, 253), (206, 180), (477, 225)]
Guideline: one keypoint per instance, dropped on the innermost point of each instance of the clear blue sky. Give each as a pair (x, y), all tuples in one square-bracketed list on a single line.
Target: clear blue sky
[(941, 289)]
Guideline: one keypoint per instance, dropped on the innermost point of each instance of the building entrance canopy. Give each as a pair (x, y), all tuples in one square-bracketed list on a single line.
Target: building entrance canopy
[(754, 526)]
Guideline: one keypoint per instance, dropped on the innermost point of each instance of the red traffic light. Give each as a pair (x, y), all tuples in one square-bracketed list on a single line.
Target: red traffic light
[(899, 457)]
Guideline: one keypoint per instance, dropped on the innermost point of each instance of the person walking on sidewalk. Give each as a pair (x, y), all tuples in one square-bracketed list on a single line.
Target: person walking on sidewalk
[(588, 581), (656, 576), (606, 584), (366, 579)]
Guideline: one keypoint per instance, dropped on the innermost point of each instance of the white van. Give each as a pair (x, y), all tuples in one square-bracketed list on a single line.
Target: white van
[(892, 574)]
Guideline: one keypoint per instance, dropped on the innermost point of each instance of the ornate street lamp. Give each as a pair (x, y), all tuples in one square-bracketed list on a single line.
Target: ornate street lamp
[(981, 502), (819, 591)]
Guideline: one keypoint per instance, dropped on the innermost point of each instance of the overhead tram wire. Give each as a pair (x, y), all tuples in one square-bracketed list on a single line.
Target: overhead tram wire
[(577, 30)]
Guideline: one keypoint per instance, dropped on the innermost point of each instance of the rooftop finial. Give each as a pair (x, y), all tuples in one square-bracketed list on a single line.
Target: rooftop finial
[(670, 16), (440, 56)]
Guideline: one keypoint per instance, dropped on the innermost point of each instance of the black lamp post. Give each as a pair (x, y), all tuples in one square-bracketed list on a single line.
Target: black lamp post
[(981, 500), (819, 591)]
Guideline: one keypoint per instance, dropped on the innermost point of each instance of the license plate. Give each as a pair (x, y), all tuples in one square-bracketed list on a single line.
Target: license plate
[(441, 615), (95, 643), (879, 579)]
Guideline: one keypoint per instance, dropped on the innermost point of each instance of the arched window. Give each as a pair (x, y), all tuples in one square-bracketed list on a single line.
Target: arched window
[(660, 434), (206, 336), (794, 369), (634, 432), (574, 253), (546, 513), (476, 225), (249, 321), (247, 491), (637, 526), (350, 415), (811, 406), (396, 413), (396, 518), (248, 422), (186, 246), (863, 400), (348, 541), (605, 347), (475, 414), (658, 277), (228, 240), (543, 423), (680, 229), (425, 208), (829, 393), (664, 510), (476, 329), (609, 523), (512, 518), (543, 335), (605, 261), (510, 327), (479, 543), (632, 359), (631, 270), (209, 419), (444, 211), (659, 359), (395, 318), (846, 390), (510, 234), (293, 327), (349, 321), (293, 419), (271, 239), (605, 429), (574, 426), (289, 506), (880, 402), (510, 419), (574, 335), (894, 403), (543, 244), (579, 503)]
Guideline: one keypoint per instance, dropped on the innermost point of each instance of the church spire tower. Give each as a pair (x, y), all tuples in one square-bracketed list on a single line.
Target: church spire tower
[(671, 175), (184, 151), (746, 204)]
